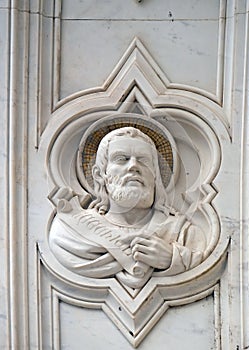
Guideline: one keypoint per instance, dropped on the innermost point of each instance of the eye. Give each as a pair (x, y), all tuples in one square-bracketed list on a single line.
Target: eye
[(120, 158), (144, 160)]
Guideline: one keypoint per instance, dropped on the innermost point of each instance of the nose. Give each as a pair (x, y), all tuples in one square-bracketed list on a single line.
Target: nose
[(133, 164)]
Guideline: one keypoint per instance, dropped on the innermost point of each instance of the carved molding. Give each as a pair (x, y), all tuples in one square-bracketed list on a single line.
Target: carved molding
[(18, 333), (14, 270), (49, 84), (99, 298), (216, 97), (138, 84), (244, 195), (45, 22), (59, 296)]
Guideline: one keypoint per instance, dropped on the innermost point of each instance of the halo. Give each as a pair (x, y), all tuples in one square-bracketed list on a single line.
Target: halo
[(89, 143)]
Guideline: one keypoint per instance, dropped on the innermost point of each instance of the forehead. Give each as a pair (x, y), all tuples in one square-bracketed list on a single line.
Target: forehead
[(130, 145)]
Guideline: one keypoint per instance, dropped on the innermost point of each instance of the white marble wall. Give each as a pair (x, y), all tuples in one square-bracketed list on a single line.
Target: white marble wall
[(84, 326), (52, 49), (169, 33)]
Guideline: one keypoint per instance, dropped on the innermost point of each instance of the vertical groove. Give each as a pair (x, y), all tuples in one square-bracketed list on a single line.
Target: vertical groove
[(244, 195), (217, 321), (56, 61), (221, 51), (17, 175), (38, 297), (55, 319), (38, 87), (25, 175), (12, 188), (7, 188), (229, 59)]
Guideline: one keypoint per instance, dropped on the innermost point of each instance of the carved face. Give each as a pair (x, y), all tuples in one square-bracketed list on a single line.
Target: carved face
[(130, 174)]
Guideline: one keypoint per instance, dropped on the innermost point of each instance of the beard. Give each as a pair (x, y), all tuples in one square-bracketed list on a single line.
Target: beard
[(128, 196)]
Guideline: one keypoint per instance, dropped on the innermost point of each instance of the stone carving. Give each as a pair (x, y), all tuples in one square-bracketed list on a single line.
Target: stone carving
[(129, 230), (181, 120)]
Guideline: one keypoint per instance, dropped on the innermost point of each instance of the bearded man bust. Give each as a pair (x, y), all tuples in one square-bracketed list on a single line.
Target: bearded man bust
[(128, 232)]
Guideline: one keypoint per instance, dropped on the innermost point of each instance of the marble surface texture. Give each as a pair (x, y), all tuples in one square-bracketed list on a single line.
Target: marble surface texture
[(67, 64)]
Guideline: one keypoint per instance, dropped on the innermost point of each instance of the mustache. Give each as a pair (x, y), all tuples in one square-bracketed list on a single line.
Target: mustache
[(130, 177), (117, 180)]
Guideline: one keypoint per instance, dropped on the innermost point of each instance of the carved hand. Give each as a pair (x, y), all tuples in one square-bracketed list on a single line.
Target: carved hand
[(153, 251)]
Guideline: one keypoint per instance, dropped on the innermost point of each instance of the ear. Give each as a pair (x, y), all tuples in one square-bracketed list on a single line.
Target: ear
[(97, 175)]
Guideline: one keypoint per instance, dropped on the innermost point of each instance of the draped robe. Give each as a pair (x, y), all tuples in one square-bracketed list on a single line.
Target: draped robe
[(88, 244)]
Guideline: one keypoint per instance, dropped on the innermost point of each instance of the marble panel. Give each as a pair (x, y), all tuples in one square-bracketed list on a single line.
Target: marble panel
[(4, 4), (89, 51), (146, 9), (3, 178), (4, 46), (193, 324), (194, 45)]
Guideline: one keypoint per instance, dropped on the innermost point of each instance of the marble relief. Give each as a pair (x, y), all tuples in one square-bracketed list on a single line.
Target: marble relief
[(124, 175), (131, 172), (129, 230)]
